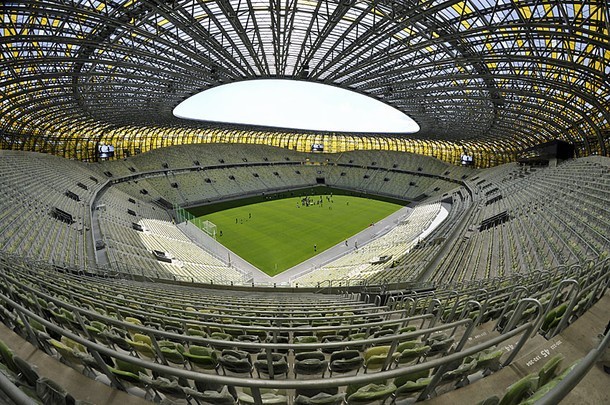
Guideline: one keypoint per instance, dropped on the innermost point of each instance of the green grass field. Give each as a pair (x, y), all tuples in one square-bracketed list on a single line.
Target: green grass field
[(276, 235)]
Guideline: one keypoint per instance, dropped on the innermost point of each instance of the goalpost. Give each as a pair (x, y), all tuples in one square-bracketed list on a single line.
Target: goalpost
[(183, 215), (209, 228)]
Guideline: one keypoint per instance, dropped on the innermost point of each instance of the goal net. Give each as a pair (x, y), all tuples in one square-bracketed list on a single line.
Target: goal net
[(209, 228), (183, 215)]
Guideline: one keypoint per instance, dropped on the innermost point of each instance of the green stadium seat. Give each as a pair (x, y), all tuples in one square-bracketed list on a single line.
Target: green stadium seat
[(130, 376), (173, 356), (375, 357), (320, 398), (74, 354), (520, 390), (304, 340), (250, 339), (26, 371), (345, 361), (166, 389), (457, 377), (39, 329), (211, 397), (235, 362), (406, 355), (407, 329), (544, 389), (134, 321), (279, 340), (142, 345), (6, 354), (355, 337), (262, 366), (196, 332), (52, 393), (310, 363), (411, 388), (330, 339), (489, 360), (370, 393), (550, 369), (117, 338), (439, 346), (412, 376), (202, 358), (221, 336), (268, 396)]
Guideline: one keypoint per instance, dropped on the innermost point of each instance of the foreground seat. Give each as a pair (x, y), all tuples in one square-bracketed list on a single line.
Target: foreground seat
[(370, 393), (310, 363), (345, 361), (235, 362)]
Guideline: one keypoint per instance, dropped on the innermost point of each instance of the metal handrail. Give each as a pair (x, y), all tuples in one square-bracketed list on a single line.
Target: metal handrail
[(15, 394), (593, 287), (225, 315), (279, 384), (517, 316), (514, 295), (574, 289), (312, 346), (128, 275)]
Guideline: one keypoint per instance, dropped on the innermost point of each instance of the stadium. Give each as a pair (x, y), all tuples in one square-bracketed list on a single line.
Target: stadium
[(147, 257)]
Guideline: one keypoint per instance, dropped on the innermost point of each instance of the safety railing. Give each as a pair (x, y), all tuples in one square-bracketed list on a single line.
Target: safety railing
[(439, 365)]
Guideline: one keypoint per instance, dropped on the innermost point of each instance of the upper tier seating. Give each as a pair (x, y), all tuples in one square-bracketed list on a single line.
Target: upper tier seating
[(34, 185), (557, 216)]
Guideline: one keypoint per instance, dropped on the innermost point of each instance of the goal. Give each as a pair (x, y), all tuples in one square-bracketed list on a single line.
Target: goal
[(183, 215), (209, 228)]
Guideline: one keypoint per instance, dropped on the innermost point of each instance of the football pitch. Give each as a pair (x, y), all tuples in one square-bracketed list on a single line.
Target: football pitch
[(279, 234)]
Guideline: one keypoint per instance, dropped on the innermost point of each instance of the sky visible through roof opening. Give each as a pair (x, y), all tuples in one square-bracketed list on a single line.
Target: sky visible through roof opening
[(295, 104)]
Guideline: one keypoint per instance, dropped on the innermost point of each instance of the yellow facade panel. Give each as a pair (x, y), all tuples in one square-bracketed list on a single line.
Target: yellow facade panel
[(9, 32), (578, 10), (597, 13), (525, 12), (458, 7)]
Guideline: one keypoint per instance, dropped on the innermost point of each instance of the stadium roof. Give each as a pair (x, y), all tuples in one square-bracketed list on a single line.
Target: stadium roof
[(514, 72)]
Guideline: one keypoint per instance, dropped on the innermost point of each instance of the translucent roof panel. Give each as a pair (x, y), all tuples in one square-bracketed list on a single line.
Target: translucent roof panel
[(512, 71)]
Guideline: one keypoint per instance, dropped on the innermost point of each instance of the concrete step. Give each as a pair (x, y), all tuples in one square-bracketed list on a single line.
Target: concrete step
[(481, 333), (583, 335), (573, 343), (79, 386)]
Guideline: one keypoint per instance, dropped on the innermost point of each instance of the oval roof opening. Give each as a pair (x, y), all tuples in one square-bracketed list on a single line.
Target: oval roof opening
[(295, 104)]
